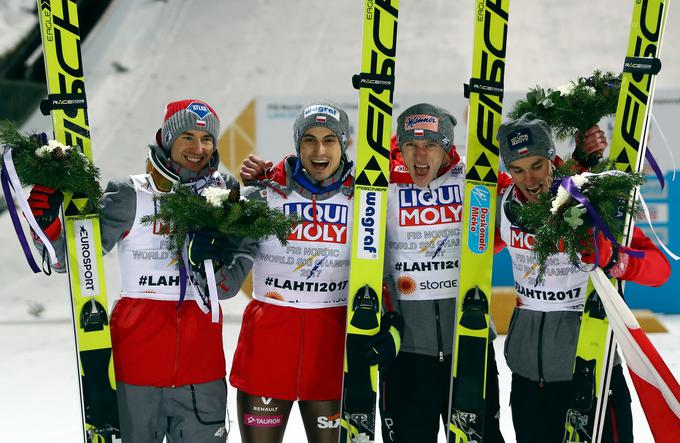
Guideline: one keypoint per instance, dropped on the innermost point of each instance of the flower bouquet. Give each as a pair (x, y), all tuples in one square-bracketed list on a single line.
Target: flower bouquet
[(219, 209), (563, 220), (576, 106), (52, 164)]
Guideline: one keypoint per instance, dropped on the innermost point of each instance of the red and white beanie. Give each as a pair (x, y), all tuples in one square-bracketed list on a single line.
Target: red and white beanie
[(187, 115)]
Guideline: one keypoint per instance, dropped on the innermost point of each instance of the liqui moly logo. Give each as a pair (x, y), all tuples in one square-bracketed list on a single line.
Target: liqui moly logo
[(521, 240), (424, 207), (323, 222), (322, 109), (368, 239), (421, 121), (87, 258), (479, 222)]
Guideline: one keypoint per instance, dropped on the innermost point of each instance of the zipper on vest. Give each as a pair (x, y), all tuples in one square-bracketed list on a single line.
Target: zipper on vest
[(440, 350), (302, 341), (540, 351), (314, 210), (177, 340)]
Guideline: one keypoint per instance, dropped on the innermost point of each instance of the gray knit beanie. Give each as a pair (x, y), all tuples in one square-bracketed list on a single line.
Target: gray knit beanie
[(524, 137), (181, 116), (186, 115), (426, 122), (326, 114)]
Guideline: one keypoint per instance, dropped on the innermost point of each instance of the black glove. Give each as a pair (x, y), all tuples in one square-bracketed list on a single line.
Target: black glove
[(205, 244), (44, 203), (383, 348)]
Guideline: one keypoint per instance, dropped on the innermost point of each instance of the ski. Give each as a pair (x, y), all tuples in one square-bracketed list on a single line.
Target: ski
[(376, 92), (67, 104), (485, 93), (596, 348)]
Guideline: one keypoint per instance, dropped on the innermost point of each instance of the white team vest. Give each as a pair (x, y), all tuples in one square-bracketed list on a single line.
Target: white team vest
[(424, 235), (147, 266), (564, 285), (312, 271)]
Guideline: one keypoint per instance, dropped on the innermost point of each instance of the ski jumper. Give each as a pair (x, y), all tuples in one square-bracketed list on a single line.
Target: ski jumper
[(543, 333), (293, 331), (422, 270)]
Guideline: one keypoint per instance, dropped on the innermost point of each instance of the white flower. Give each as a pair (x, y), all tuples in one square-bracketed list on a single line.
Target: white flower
[(52, 147), (590, 90), (547, 103), (215, 196), (561, 198), (566, 89), (563, 195)]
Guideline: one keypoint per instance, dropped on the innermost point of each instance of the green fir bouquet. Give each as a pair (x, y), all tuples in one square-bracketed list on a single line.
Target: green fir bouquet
[(220, 209), (52, 164), (560, 223), (576, 106)]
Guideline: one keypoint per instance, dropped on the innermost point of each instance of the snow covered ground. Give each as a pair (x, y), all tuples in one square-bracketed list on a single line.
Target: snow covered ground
[(227, 52), (38, 387)]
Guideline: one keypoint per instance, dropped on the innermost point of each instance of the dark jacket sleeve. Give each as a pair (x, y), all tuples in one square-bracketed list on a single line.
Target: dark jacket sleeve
[(651, 270)]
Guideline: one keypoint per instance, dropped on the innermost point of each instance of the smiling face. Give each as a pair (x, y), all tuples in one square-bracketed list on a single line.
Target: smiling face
[(423, 158), (192, 150), (532, 175), (320, 152)]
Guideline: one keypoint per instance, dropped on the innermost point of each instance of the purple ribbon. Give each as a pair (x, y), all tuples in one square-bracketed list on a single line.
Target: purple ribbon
[(568, 184), (4, 177), (651, 161), (183, 278)]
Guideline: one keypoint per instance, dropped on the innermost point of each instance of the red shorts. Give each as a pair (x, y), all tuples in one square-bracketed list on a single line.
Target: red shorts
[(289, 353)]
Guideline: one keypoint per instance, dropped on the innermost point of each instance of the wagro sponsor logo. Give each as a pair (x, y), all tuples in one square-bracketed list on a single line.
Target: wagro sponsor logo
[(370, 203), (321, 109)]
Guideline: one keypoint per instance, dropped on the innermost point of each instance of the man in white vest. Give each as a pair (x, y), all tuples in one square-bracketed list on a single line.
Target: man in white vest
[(291, 344), (421, 278), (541, 344), (169, 361), (422, 266)]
